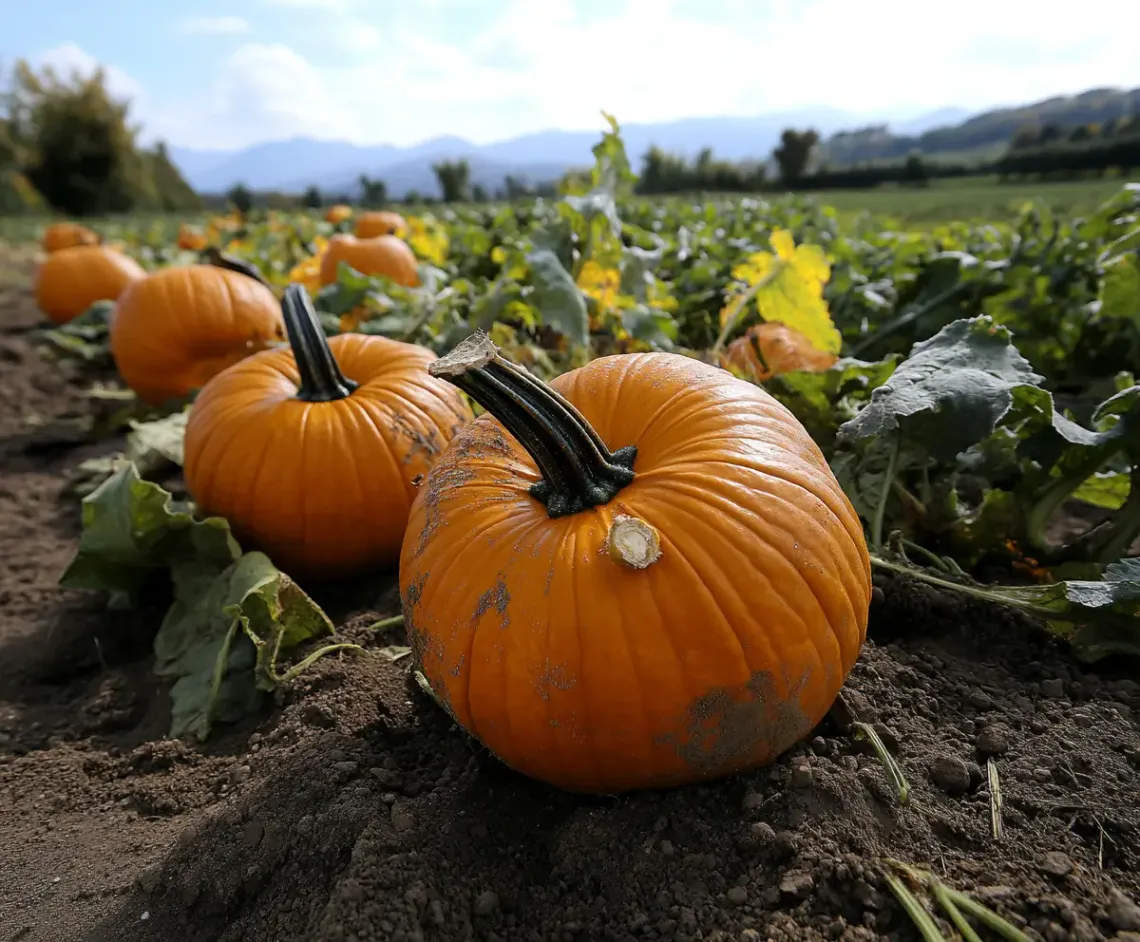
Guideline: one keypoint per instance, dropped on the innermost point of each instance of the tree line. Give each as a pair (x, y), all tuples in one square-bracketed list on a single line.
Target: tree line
[(68, 146)]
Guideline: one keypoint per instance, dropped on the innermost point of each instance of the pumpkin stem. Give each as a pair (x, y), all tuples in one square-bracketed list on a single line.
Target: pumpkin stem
[(219, 259), (578, 469), (321, 378)]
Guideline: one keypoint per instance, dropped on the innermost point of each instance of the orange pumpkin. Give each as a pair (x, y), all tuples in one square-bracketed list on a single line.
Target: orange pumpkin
[(382, 255), (380, 222), (771, 349), (642, 575), (66, 235), (70, 280), (191, 239), (175, 329), (313, 454), (338, 213)]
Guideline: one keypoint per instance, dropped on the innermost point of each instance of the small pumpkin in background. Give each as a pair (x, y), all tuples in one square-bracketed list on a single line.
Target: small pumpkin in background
[(772, 349), (313, 454), (338, 214), (378, 222), (70, 280), (641, 575), (178, 327), (67, 235), (191, 238), (381, 255)]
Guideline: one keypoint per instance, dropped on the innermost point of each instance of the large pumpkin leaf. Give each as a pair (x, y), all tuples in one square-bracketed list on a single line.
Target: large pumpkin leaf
[(221, 637), (151, 447), (233, 614), (133, 527), (950, 393), (557, 297)]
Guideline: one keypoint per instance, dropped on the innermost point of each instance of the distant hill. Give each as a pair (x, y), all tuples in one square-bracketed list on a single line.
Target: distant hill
[(984, 134), (335, 166)]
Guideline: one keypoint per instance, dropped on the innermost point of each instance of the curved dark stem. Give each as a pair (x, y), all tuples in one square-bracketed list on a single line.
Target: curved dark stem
[(215, 256), (321, 378), (578, 469)]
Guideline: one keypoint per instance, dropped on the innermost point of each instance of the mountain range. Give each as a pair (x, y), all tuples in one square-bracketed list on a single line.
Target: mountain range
[(335, 166)]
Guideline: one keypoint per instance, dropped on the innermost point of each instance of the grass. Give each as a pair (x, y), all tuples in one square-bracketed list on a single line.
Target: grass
[(970, 199), (973, 200)]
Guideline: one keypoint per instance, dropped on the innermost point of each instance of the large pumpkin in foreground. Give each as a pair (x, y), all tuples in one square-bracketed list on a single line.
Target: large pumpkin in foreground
[(178, 327), (314, 453), (71, 279), (639, 576)]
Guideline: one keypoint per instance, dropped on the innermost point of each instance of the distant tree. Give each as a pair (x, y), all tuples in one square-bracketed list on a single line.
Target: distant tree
[(311, 198), (454, 180), (1081, 133), (240, 198), (1027, 136), (914, 170), (515, 188), (479, 193), (171, 192), (1050, 132), (73, 141), (373, 193), (794, 154)]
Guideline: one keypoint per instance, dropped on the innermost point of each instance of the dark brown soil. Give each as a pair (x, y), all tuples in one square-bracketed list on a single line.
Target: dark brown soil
[(352, 810)]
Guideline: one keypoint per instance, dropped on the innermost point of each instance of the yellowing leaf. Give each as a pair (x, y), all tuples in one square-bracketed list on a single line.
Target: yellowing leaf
[(791, 299), (601, 284), (782, 244)]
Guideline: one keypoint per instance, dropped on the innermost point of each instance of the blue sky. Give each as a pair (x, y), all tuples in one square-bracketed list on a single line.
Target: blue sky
[(213, 74)]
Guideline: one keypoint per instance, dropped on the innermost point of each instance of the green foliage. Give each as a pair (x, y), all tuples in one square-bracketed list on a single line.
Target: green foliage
[(373, 193), (241, 198), (73, 144), (454, 180), (795, 153), (233, 613), (311, 198)]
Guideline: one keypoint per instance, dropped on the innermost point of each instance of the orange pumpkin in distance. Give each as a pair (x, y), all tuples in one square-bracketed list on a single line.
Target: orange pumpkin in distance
[(338, 213), (191, 239), (70, 280), (641, 575), (66, 235), (381, 255), (772, 349), (174, 330), (314, 453), (379, 222)]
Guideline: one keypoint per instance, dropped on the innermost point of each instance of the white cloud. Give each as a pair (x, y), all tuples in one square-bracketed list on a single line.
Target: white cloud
[(69, 59), (541, 65), (213, 25)]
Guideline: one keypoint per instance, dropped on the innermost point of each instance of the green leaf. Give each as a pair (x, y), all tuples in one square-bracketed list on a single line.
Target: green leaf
[(1120, 289), (1108, 490), (557, 297), (823, 400), (151, 447), (950, 393), (1099, 618), (207, 640), (132, 527), (650, 326)]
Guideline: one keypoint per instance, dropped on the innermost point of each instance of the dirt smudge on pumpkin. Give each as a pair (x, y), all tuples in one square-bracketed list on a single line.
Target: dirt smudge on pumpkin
[(554, 676), (473, 443), (425, 442), (729, 726), (497, 597)]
